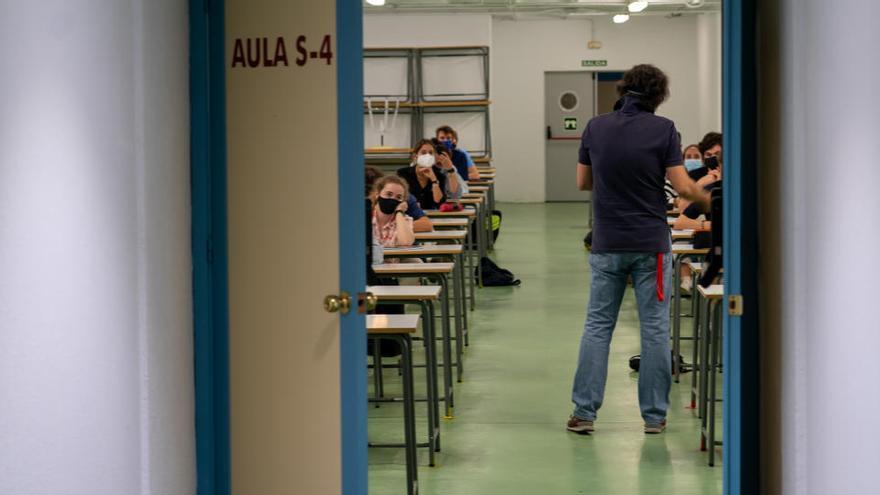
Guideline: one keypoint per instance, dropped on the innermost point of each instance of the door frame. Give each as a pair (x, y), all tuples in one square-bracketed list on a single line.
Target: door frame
[(741, 390), (209, 245)]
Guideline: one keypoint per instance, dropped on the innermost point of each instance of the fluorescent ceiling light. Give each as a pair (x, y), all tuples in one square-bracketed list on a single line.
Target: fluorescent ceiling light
[(637, 6), (376, 3), (621, 18)]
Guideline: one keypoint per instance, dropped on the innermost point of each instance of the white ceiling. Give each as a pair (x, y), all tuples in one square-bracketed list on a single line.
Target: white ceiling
[(550, 8)]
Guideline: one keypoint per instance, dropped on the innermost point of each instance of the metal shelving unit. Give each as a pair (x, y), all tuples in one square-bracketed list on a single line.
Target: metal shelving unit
[(418, 104)]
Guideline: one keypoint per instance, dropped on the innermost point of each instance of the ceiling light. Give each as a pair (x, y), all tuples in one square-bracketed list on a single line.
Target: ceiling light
[(637, 6), (621, 18), (376, 3)]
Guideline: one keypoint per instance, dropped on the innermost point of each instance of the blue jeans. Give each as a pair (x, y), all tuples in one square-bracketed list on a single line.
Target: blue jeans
[(610, 272)]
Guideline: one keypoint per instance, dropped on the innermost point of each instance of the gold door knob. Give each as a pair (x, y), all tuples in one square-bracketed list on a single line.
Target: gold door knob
[(337, 304), (366, 302)]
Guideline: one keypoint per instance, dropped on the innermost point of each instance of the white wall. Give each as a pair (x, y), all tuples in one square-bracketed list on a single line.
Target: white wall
[(687, 48), (96, 390), (523, 50), (829, 323), (421, 30)]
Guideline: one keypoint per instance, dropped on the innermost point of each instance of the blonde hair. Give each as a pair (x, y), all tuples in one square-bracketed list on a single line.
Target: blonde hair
[(381, 182)]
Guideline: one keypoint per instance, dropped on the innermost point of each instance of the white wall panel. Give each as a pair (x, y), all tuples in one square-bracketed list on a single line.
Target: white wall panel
[(95, 311)]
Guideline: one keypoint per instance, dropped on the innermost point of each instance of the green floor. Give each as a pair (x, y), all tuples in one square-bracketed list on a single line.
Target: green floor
[(508, 434)]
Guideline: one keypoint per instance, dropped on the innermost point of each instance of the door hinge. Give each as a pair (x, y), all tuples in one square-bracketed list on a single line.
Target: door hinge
[(735, 305)]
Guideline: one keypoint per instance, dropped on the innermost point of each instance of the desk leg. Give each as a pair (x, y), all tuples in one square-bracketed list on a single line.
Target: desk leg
[(447, 346), (430, 369), (459, 318), (462, 290), (409, 413), (676, 315), (713, 364), (705, 343), (695, 356)]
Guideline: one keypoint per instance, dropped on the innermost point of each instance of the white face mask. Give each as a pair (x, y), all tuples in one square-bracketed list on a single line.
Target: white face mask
[(425, 161)]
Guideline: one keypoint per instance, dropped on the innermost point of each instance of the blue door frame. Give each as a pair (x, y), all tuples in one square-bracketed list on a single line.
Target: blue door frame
[(741, 353), (210, 294), (209, 244)]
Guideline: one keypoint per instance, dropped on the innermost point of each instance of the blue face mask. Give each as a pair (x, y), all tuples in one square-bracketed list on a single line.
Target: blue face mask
[(693, 164), (449, 144)]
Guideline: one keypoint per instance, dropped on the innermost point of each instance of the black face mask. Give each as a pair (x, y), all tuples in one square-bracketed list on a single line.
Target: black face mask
[(388, 205), (711, 162)]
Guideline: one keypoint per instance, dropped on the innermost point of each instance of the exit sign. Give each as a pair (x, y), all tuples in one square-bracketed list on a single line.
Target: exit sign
[(570, 123), (594, 63)]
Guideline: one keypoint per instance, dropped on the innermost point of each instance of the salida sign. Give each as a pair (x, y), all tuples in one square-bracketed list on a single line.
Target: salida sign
[(265, 52)]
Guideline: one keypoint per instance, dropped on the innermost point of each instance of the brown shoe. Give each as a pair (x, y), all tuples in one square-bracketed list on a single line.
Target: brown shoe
[(579, 425), (653, 428)]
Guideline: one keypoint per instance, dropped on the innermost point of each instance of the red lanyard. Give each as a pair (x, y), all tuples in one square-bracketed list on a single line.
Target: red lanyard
[(660, 276)]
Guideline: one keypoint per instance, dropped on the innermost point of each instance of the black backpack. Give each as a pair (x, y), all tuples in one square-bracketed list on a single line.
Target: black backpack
[(494, 275)]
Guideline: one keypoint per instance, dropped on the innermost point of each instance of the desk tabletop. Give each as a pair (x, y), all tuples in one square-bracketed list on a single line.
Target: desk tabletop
[(467, 212), (450, 222), (418, 251), (695, 266), (385, 324), (670, 221), (405, 292), (476, 187), (412, 268), (471, 201), (441, 235), (713, 292), (688, 249), (682, 234)]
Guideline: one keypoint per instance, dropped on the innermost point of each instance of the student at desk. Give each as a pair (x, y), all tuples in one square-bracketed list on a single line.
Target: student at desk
[(391, 225), (421, 222), (426, 179)]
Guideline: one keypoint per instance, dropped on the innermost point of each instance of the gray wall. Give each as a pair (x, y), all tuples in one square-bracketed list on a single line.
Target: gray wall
[(96, 388), (819, 233)]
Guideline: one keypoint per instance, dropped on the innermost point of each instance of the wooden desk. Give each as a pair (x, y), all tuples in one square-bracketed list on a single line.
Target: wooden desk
[(413, 269), (679, 251), (467, 212), (399, 328), (712, 306), (682, 234), (670, 221), (423, 251), (686, 249), (424, 297), (442, 235), (449, 222), (388, 324)]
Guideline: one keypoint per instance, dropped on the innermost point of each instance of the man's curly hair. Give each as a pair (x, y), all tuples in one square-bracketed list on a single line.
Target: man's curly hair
[(646, 82)]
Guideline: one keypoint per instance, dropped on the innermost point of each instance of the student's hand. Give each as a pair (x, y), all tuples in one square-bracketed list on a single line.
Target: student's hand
[(428, 173), (445, 162), (403, 206)]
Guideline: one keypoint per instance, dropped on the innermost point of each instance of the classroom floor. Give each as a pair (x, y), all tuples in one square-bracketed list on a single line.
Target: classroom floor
[(508, 433)]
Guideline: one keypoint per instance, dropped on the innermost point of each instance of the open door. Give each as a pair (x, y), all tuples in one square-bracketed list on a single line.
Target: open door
[(279, 215)]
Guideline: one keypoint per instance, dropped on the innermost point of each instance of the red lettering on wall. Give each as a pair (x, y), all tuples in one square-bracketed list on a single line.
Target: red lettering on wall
[(280, 52), (238, 53)]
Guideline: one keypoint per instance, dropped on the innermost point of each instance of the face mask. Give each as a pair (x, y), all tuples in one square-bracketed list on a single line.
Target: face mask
[(425, 161), (388, 205), (693, 164), (449, 144)]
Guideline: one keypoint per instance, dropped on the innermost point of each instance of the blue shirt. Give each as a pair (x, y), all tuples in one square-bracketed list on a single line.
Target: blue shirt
[(629, 151), (460, 160), (470, 161), (413, 209)]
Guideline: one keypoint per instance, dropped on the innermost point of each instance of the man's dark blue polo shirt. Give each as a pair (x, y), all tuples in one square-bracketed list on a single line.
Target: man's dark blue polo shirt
[(629, 150)]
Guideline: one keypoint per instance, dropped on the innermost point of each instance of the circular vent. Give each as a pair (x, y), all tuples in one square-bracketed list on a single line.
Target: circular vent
[(568, 101)]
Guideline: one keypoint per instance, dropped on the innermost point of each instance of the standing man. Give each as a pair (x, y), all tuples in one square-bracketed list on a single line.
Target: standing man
[(624, 159)]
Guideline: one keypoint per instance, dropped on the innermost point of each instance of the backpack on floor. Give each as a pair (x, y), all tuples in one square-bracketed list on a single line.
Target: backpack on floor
[(494, 275), (636, 361)]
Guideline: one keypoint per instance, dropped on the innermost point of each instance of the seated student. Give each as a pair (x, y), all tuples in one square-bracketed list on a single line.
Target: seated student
[(444, 159), (690, 216), (425, 178), (692, 161), (462, 162), (391, 226), (709, 146), (421, 222)]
